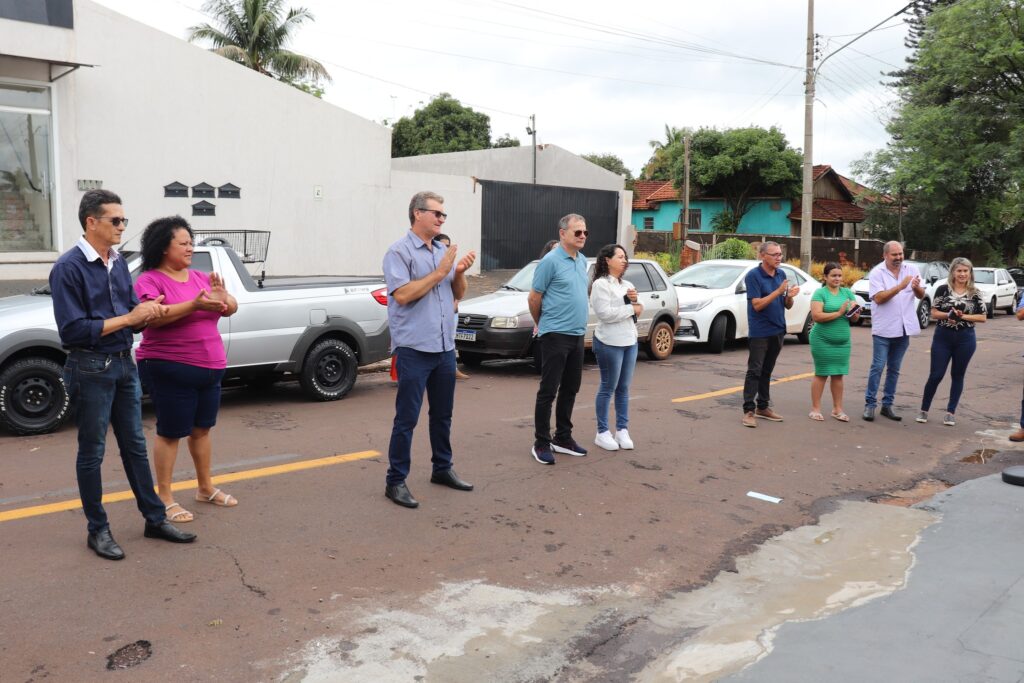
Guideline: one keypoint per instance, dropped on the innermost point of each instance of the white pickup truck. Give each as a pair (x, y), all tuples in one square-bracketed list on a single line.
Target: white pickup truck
[(316, 329)]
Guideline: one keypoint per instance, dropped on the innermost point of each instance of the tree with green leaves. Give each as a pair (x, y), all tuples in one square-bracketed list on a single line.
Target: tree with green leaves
[(255, 34), (666, 151), (612, 163), (957, 141), (741, 165), (444, 125)]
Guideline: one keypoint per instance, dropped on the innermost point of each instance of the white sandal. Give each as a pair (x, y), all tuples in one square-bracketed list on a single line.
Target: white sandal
[(228, 501)]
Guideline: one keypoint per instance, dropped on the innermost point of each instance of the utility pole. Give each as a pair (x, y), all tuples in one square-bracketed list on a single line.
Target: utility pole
[(532, 130), (686, 189), (807, 196)]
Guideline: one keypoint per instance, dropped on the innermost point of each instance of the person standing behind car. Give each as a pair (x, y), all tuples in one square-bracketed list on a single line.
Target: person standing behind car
[(830, 340), (182, 358), (894, 288), (958, 306), (768, 296), (558, 303), (96, 312), (615, 304)]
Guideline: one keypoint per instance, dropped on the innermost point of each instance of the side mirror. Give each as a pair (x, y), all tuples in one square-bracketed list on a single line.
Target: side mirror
[(741, 288)]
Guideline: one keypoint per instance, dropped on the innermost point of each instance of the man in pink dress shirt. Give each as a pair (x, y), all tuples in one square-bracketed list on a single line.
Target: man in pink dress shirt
[(894, 288)]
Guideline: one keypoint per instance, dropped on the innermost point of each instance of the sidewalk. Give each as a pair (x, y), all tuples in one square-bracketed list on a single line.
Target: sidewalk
[(960, 617)]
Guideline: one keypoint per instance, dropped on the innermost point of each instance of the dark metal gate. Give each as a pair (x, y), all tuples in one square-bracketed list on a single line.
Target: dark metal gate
[(519, 218)]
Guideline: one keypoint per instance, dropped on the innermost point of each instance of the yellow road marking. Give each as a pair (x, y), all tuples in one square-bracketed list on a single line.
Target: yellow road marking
[(36, 510), (736, 390)]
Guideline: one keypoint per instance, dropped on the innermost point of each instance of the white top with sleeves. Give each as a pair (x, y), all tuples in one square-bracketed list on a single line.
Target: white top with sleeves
[(615, 326)]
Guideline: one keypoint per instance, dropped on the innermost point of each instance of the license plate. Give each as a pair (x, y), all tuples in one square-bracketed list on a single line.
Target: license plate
[(465, 335)]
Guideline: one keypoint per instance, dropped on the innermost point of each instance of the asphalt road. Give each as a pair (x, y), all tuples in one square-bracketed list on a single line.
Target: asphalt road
[(316, 576)]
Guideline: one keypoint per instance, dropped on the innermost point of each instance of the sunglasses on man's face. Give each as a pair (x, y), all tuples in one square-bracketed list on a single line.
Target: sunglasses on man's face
[(437, 214), (580, 233), (116, 221)]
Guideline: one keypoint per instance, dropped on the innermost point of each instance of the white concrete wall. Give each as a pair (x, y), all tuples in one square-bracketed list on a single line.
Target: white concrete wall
[(555, 166), (156, 110)]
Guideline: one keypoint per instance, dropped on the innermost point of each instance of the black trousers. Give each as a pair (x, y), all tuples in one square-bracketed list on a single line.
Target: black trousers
[(764, 351), (561, 364)]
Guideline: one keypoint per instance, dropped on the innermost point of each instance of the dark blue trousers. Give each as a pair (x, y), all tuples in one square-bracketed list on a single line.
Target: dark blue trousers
[(419, 372), (955, 345)]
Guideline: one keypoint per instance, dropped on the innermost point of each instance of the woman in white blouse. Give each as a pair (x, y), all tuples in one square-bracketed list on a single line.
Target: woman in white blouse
[(615, 305)]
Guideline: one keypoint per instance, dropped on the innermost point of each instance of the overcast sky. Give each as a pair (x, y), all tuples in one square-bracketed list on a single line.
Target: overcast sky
[(601, 77)]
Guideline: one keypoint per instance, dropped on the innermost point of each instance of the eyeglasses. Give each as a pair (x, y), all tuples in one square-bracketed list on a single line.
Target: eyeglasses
[(580, 233), (437, 214), (775, 255), (116, 221)]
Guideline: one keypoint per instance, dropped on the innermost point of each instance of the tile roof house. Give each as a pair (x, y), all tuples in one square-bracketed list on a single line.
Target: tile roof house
[(657, 205), (835, 212)]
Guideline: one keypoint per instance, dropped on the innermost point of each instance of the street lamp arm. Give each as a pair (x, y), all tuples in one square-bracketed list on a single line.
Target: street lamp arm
[(854, 40)]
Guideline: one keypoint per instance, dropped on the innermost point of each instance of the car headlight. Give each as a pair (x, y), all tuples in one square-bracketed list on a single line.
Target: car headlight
[(505, 322), (693, 305)]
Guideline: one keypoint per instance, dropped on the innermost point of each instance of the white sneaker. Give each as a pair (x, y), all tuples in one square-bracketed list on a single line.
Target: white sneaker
[(622, 437), (605, 441)]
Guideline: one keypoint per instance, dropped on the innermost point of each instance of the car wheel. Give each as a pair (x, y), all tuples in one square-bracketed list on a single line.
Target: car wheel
[(33, 398), (924, 313), (716, 335), (661, 341), (804, 335), (329, 370), (991, 312), (471, 359)]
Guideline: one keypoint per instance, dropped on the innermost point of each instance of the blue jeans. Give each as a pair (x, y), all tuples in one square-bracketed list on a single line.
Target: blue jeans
[(616, 364), (886, 354), (107, 393), (955, 345), (434, 373)]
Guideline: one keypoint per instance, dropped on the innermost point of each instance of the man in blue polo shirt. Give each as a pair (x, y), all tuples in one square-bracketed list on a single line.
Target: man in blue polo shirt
[(768, 297), (423, 283), (96, 311), (560, 305)]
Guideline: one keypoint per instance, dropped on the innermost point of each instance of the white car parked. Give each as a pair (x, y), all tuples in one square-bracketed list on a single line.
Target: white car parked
[(997, 289), (713, 302)]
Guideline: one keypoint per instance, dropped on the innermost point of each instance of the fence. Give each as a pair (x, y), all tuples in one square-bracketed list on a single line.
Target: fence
[(864, 253)]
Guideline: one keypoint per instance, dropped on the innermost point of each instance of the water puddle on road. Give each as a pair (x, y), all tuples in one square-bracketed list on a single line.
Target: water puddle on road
[(860, 552), (474, 631)]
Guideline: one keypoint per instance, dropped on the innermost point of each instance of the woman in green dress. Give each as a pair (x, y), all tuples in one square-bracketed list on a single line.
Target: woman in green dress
[(830, 340)]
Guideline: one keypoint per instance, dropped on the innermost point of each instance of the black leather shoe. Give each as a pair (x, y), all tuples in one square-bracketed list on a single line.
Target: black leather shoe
[(399, 493), (869, 414), (451, 480), (887, 412), (104, 545), (168, 532)]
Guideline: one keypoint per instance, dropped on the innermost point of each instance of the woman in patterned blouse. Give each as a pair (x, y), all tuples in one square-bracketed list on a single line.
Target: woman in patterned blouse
[(957, 307)]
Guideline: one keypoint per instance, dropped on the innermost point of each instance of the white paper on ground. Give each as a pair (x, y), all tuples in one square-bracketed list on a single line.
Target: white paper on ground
[(761, 496)]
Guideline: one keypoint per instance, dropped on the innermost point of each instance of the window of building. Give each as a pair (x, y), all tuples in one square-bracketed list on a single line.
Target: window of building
[(695, 220), (648, 222), (26, 181), (204, 209), (229, 191), (176, 189), (203, 191)]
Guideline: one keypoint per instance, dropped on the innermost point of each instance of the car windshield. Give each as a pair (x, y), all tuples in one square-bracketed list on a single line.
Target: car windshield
[(522, 280), (984, 277), (709, 275)]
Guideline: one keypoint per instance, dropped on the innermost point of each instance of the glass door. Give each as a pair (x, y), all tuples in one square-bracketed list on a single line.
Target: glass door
[(26, 182)]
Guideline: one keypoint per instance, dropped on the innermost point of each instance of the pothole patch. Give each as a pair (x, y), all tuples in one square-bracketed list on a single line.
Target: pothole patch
[(921, 491), (130, 655), (981, 456)]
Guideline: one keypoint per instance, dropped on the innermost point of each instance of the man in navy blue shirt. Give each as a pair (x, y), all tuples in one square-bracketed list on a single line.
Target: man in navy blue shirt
[(96, 311), (768, 297)]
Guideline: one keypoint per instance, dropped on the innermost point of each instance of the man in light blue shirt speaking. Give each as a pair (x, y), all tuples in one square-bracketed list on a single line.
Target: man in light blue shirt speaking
[(423, 282)]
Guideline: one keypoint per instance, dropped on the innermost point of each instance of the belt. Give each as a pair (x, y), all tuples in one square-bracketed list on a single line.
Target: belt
[(127, 353)]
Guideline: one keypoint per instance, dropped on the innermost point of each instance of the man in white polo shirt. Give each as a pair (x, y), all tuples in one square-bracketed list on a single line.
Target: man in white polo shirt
[(894, 288)]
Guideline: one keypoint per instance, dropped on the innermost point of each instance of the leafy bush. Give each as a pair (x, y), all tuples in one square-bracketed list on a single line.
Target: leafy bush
[(668, 263), (733, 248), (725, 221), (851, 273)]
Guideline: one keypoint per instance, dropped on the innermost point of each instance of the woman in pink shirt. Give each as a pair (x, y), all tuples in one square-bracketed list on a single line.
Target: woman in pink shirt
[(182, 360)]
